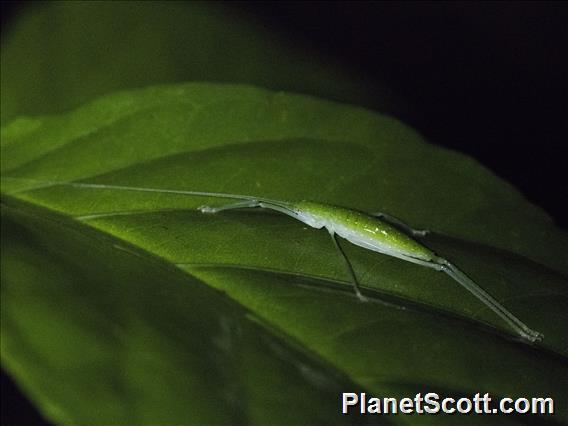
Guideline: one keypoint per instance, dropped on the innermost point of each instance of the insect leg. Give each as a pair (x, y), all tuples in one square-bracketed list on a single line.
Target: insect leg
[(520, 327), (349, 268), (397, 222), (461, 278), (239, 205)]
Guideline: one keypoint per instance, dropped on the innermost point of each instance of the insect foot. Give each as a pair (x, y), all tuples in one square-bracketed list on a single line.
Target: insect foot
[(532, 336), (207, 209)]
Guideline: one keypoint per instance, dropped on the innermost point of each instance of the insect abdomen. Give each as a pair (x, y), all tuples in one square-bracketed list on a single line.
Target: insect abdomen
[(363, 230)]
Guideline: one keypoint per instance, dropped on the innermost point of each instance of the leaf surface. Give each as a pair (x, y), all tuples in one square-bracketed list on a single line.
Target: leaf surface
[(273, 278)]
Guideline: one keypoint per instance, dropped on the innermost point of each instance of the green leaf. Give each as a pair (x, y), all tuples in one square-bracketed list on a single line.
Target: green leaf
[(59, 55), (171, 315), (99, 336)]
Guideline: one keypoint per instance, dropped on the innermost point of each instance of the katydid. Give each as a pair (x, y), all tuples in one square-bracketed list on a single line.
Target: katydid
[(377, 232)]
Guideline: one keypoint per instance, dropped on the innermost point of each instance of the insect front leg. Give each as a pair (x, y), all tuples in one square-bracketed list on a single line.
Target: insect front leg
[(399, 223), (349, 268), (239, 205)]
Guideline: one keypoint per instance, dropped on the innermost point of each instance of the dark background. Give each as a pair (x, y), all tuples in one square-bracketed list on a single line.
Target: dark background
[(487, 79)]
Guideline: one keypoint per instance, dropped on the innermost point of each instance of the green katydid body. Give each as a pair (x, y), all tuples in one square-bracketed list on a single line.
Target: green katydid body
[(363, 230), (359, 228), (376, 234), (380, 233)]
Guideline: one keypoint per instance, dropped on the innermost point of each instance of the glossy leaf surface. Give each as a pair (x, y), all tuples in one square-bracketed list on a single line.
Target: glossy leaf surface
[(260, 272)]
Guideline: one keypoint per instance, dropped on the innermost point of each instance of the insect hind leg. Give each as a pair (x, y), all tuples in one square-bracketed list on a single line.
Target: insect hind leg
[(461, 278), (240, 205)]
